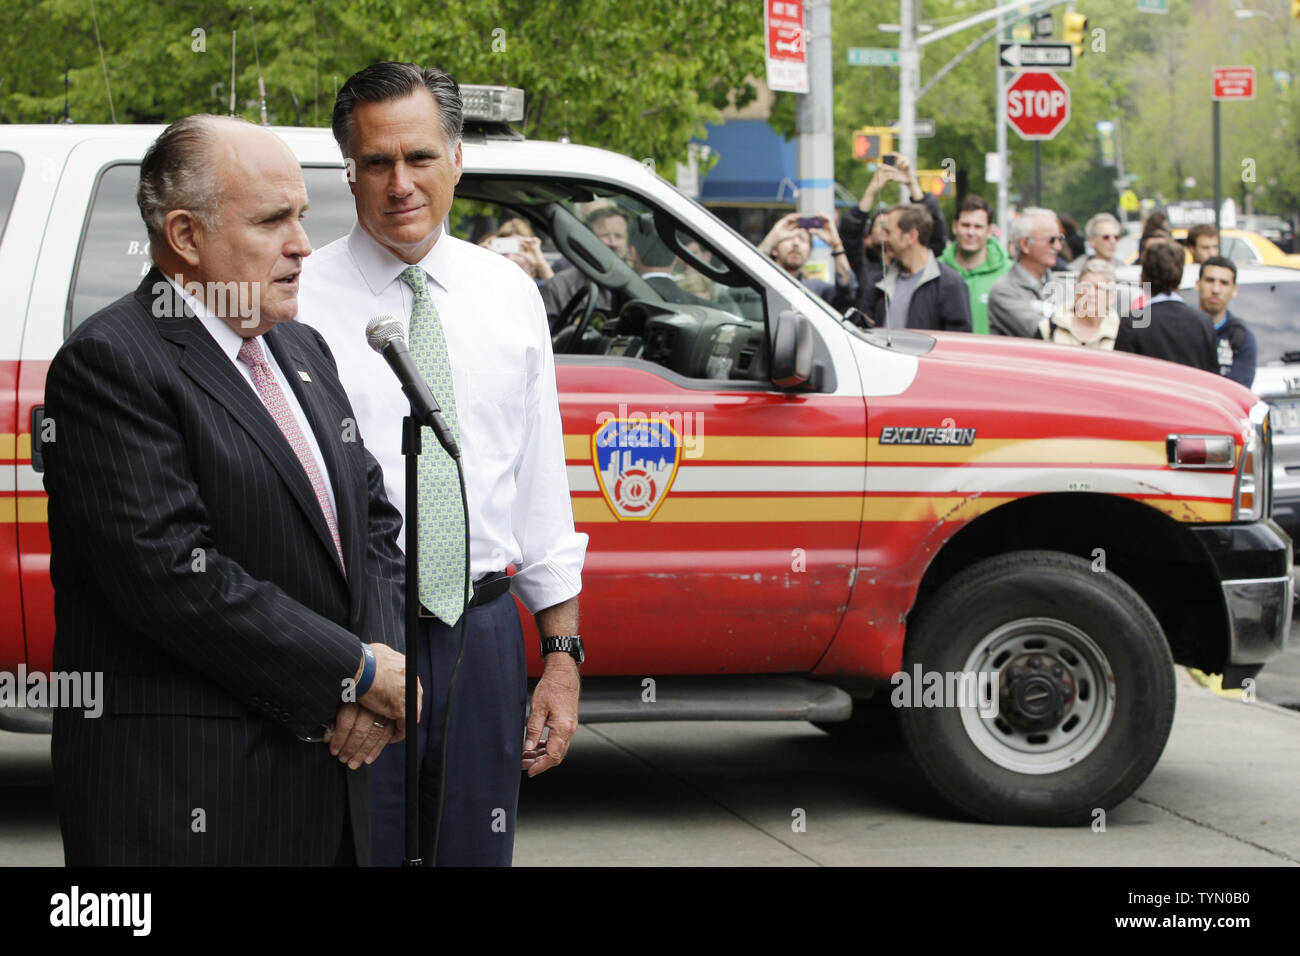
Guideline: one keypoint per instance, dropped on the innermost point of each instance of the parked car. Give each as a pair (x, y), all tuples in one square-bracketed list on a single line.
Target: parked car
[(1276, 229), (790, 516)]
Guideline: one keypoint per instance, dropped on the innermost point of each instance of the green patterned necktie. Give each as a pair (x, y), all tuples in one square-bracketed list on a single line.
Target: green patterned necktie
[(442, 520)]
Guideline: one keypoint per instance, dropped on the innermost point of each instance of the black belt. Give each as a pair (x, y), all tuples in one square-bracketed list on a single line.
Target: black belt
[(486, 589)]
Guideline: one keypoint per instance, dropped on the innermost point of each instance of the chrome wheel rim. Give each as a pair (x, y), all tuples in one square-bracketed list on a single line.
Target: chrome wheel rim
[(1055, 694)]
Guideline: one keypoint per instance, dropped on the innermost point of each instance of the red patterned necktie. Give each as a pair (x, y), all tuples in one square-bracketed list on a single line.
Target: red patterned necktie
[(268, 389)]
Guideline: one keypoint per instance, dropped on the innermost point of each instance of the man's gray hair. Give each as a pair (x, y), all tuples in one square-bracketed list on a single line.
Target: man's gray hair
[(390, 80), (1098, 266), (1096, 222), (1022, 227), (177, 172)]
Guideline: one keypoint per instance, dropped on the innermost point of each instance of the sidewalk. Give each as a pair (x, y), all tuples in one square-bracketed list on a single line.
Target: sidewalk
[(1223, 794)]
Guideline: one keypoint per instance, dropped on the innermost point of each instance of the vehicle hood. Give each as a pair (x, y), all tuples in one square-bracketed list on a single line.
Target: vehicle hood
[(1087, 391)]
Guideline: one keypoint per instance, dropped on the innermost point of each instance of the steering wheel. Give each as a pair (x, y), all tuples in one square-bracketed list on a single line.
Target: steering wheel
[(569, 338)]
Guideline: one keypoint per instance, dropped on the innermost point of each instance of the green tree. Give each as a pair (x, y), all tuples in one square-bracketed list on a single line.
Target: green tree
[(637, 78)]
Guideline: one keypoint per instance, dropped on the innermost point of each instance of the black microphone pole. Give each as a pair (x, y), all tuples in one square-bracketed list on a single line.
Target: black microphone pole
[(385, 336), (411, 449)]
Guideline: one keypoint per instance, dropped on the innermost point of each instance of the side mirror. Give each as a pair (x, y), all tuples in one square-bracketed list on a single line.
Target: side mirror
[(792, 350)]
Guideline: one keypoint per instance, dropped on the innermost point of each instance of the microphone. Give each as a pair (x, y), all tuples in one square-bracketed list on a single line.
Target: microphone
[(385, 336)]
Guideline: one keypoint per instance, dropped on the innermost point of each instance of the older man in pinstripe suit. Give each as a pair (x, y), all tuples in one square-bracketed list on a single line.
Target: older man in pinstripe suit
[(221, 547)]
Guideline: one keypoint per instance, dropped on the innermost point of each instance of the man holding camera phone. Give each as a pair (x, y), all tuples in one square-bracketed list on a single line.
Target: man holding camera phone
[(789, 243), (866, 260)]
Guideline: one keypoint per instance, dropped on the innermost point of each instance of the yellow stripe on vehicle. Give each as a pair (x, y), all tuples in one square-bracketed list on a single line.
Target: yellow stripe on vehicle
[(883, 508), (755, 510)]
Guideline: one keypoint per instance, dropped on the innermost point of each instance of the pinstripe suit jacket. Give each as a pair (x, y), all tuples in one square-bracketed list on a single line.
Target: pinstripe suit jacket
[(193, 567)]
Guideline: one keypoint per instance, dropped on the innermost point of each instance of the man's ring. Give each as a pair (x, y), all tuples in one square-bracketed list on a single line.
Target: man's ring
[(379, 724)]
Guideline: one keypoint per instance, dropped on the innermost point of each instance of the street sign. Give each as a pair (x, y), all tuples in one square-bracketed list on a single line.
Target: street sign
[(1106, 142), (1049, 56), (1234, 83), (1153, 6), (786, 56), (1038, 104), (1128, 201), (922, 128), (872, 56)]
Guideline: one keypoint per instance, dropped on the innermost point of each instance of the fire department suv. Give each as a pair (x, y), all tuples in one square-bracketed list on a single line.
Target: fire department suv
[(1007, 544)]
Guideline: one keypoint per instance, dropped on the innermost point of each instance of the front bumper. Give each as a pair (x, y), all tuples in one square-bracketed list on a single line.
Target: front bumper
[(1253, 564)]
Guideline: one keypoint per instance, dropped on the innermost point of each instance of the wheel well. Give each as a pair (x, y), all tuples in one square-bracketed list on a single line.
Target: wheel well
[(1154, 554)]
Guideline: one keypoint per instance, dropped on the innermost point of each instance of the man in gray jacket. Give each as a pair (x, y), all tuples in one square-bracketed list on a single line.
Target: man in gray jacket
[(918, 291), (1021, 299)]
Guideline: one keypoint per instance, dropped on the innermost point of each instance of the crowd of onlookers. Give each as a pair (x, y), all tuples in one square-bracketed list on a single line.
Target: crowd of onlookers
[(1048, 282), (894, 268)]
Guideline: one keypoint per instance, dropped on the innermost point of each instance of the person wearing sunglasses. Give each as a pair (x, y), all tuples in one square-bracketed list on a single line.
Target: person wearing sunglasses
[(1020, 300), (1103, 231)]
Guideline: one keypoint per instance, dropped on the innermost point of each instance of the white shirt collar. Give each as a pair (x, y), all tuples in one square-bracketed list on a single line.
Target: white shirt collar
[(380, 268), (227, 339)]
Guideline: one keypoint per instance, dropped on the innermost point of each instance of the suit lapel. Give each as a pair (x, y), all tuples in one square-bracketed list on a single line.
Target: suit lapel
[(213, 371), (293, 359)]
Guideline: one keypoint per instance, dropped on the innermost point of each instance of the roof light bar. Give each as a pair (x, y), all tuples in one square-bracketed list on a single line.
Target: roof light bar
[(493, 104)]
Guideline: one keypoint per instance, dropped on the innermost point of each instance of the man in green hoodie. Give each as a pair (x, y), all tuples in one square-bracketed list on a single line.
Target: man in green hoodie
[(978, 258)]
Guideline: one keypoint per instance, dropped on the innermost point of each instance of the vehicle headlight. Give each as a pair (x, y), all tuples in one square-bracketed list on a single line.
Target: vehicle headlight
[(1254, 498)]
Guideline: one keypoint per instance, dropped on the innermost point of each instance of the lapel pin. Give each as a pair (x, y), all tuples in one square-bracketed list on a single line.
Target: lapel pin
[(304, 376)]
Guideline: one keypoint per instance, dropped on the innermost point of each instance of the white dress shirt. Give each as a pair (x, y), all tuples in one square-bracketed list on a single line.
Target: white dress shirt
[(230, 341), (503, 375)]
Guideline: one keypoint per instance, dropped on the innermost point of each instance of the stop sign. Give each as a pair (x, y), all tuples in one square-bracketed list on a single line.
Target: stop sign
[(1038, 104)]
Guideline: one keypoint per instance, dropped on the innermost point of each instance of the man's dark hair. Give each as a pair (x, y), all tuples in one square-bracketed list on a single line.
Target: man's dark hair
[(1202, 229), (390, 80), (1162, 266), (914, 216), (1223, 262), (973, 203)]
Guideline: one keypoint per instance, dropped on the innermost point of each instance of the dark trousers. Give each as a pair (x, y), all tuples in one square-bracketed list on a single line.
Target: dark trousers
[(483, 751)]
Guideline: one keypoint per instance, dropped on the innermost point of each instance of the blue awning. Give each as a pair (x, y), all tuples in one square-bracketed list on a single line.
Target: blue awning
[(755, 165)]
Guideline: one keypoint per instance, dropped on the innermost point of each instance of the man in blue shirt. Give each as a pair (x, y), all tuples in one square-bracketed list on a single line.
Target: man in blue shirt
[(1215, 288)]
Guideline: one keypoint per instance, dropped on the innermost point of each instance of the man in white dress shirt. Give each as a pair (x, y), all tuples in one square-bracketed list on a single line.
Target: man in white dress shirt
[(479, 334)]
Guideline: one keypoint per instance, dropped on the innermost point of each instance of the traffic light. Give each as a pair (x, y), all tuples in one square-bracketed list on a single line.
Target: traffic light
[(935, 182), (872, 142), (1043, 26), (1073, 26), (867, 145)]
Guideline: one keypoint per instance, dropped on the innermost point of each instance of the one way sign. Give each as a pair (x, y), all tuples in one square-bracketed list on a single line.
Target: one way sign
[(1040, 56)]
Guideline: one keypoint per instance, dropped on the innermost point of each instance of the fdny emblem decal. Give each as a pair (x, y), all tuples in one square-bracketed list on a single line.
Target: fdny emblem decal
[(636, 461)]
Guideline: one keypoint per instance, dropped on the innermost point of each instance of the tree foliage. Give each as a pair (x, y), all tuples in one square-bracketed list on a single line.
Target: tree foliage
[(638, 78)]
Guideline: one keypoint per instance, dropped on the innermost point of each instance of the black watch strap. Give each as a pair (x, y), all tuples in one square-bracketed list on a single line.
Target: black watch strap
[(568, 643)]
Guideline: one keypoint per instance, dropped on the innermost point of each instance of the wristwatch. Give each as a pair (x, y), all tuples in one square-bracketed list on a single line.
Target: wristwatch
[(568, 643)]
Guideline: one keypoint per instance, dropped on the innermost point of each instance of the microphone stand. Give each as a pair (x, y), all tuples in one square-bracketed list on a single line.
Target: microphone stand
[(411, 449)]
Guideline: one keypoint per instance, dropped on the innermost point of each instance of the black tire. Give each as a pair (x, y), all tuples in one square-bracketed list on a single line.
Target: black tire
[(1044, 622)]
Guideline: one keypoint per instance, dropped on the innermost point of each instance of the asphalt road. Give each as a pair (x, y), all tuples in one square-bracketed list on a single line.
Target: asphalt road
[(735, 793)]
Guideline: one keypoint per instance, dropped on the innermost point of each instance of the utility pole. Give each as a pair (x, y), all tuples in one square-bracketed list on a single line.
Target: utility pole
[(1004, 161), (814, 124), (909, 79)]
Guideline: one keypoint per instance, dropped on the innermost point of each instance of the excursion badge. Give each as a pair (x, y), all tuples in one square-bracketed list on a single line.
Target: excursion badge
[(636, 461)]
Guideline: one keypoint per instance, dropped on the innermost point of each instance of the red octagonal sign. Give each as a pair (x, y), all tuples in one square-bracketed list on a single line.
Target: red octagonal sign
[(1038, 104)]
